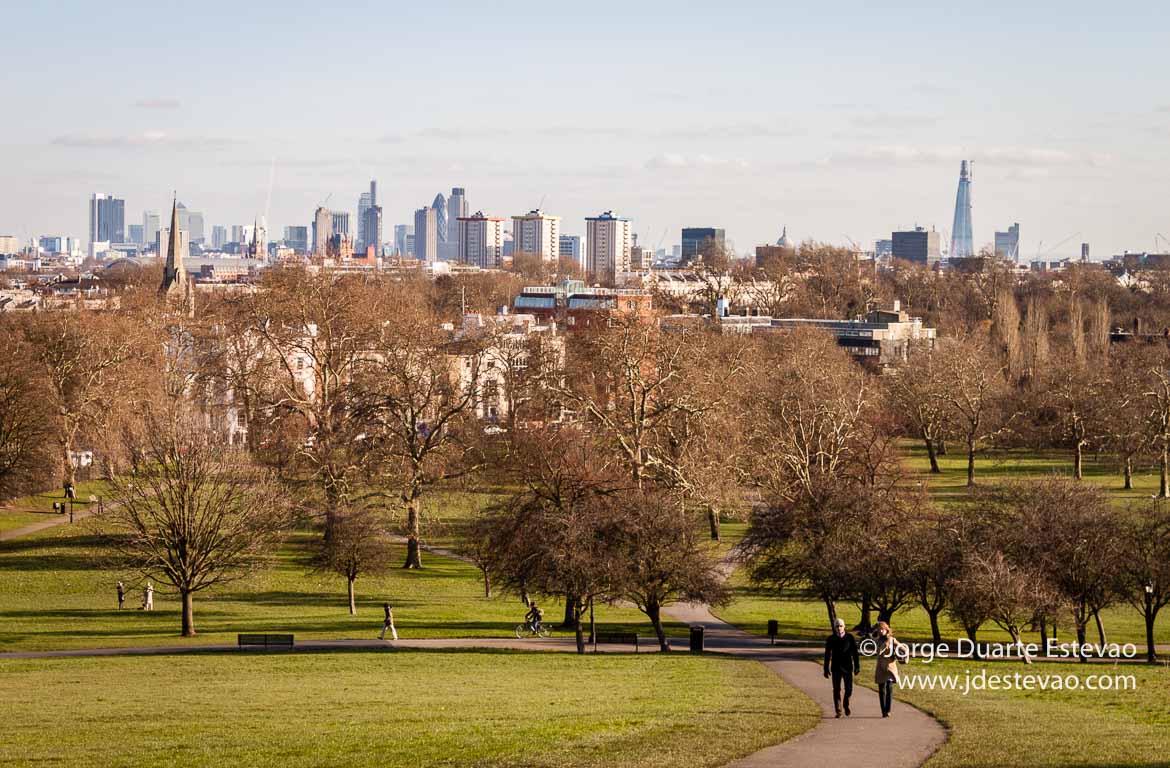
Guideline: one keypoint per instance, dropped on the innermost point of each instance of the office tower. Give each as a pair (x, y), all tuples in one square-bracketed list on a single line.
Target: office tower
[(537, 232), (1085, 253), (695, 238), (297, 238), (401, 232), (322, 231), (340, 222), (481, 240), (426, 234), (1007, 244), (218, 236), (366, 201), (150, 225), (409, 244), (371, 226), (883, 249), (456, 209), (573, 248), (607, 239), (107, 219), (962, 242), (916, 245), (195, 226), (237, 233), (134, 233), (53, 244), (440, 208)]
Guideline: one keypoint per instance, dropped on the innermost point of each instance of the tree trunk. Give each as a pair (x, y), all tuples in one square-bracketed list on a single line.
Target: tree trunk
[(592, 627), (942, 446), (1100, 626), (1164, 475), (487, 583), (1127, 473), (1150, 614), (352, 605), (970, 462), (570, 612), (413, 551), (866, 608), (654, 611), (832, 610), (935, 633), (932, 455), (972, 633), (578, 631), (1044, 633), (1078, 461), (713, 520), (188, 614), (1081, 639)]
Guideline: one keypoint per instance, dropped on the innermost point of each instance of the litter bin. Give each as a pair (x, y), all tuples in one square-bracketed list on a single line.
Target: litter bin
[(696, 639), (773, 630)]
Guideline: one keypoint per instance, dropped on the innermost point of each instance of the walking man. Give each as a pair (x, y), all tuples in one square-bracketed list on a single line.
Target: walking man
[(388, 623), (842, 662), (121, 596)]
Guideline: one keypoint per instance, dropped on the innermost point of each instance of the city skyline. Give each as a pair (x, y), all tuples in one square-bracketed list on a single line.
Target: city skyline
[(832, 133)]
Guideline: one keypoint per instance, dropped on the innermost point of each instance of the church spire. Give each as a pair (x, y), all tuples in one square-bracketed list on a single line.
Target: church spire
[(175, 283)]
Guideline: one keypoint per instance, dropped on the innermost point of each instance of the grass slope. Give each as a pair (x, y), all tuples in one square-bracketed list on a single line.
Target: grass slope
[(395, 709)]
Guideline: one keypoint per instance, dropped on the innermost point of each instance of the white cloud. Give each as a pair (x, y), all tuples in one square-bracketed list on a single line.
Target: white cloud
[(140, 140), (1031, 157), (157, 103)]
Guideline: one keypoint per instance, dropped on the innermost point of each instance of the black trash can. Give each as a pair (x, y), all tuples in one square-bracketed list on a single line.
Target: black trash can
[(696, 639), (773, 630)]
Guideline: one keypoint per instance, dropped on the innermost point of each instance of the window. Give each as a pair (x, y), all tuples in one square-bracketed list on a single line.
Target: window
[(241, 420)]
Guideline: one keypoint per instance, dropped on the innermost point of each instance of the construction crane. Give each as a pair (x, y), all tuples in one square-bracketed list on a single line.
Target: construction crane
[(1040, 252), (1163, 238)]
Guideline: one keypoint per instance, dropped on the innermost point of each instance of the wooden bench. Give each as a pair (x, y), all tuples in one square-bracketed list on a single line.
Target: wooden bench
[(618, 638), (266, 641)]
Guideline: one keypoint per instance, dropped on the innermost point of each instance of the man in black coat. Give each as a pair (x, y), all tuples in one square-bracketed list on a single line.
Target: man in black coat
[(842, 662)]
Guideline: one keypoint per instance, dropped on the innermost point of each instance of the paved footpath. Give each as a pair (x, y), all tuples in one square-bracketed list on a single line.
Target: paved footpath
[(52, 522)]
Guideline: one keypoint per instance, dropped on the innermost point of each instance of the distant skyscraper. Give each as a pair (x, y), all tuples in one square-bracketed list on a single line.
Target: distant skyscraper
[(219, 236), (456, 209), (372, 229), (1007, 244), (608, 242), (237, 233), (107, 219), (917, 245), (962, 242), (365, 202), (53, 244), (401, 232), (1085, 252), (134, 233), (426, 234), (297, 238), (693, 239), (440, 207), (150, 225), (322, 231), (883, 249), (481, 240), (537, 232), (573, 247), (340, 224)]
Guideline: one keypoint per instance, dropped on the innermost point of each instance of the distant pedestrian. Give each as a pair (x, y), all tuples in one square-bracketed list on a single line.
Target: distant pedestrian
[(121, 596), (388, 623), (57, 510), (842, 662), (148, 597), (886, 672)]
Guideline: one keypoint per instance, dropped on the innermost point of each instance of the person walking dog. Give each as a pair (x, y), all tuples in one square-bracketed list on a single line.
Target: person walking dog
[(842, 662)]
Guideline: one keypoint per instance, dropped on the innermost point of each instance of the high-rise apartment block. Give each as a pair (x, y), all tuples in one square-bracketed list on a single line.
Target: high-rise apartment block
[(917, 245), (481, 240), (1007, 244), (695, 239), (107, 219), (608, 244), (537, 232), (573, 247), (426, 234)]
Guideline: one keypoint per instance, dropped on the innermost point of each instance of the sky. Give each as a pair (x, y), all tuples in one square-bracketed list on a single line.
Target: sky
[(840, 121)]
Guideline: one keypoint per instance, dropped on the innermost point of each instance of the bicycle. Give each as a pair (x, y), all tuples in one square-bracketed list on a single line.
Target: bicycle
[(526, 630)]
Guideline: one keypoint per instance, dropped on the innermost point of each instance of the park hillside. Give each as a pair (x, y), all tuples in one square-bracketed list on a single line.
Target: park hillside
[(306, 455)]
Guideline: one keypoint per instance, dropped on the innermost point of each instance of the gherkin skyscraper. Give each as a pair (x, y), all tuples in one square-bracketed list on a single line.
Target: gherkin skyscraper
[(440, 206), (962, 242)]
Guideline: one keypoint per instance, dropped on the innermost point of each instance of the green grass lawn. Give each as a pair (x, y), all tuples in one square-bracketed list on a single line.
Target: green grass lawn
[(394, 709), (54, 593), (1042, 729)]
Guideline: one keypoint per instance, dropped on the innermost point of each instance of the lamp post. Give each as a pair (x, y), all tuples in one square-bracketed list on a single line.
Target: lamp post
[(1151, 654)]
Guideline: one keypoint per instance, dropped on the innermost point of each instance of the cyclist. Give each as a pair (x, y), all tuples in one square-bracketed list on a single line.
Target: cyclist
[(534, 617)]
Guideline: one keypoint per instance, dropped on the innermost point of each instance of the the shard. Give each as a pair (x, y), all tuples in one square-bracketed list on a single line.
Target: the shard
[(962, 243)]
